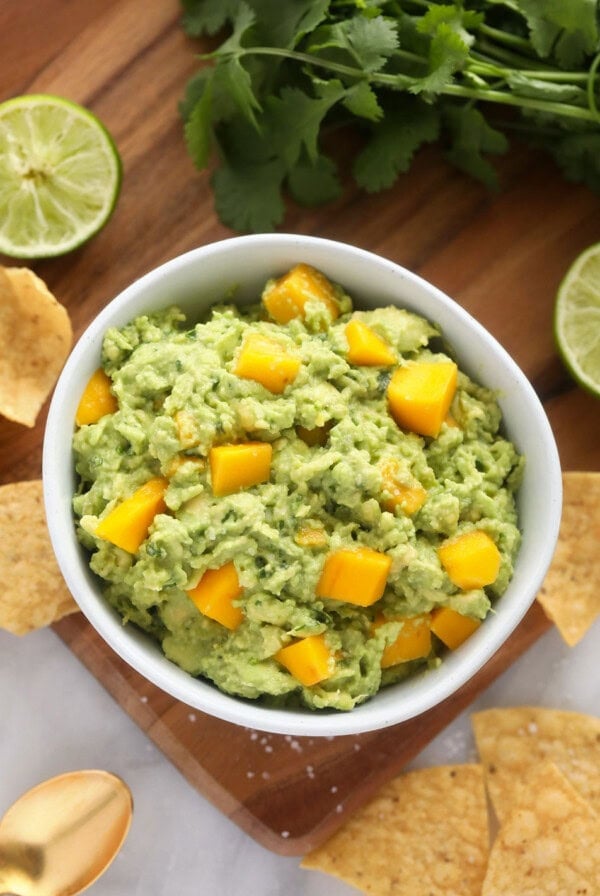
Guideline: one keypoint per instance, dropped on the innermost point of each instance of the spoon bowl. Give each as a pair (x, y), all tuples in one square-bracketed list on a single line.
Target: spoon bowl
[(61, 835)]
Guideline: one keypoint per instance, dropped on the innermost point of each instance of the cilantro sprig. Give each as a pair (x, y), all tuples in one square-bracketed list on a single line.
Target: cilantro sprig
[(288, 73)]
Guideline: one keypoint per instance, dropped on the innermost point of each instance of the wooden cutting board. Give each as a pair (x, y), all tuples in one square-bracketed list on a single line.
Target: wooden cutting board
[(501, 256), (289, 793)]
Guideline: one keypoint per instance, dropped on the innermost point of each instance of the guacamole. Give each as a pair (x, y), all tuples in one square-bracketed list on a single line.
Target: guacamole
[(299, 501)]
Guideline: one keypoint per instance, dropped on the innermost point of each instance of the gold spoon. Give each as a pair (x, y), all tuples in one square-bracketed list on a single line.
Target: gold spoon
[(59, 837)]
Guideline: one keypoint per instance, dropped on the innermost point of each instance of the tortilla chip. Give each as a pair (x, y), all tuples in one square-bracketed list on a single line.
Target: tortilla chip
[(549, 842), (33, 592), (426, 832), (35, 338), (512, 742), (570, 593)]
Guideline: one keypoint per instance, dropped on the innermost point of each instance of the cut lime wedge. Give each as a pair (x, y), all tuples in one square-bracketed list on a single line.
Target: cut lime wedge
[(577, 319), (60, 176)]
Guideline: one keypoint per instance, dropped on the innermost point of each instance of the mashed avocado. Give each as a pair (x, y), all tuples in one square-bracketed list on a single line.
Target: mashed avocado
[(342, 479)]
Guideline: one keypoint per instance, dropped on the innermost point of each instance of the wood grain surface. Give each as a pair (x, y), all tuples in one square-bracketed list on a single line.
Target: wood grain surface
[(499, 255)]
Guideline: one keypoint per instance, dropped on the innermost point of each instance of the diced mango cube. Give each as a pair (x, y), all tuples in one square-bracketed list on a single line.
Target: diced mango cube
[(355, 576), (286, 297), (471, 560), (97, 399), (409, 498), (308, 660), (215, 593), (127, 524), (234, 467), (308, 537), (267, 362), (365, 347), (413, 641), (420, 394), (452, 628), (313, 437)]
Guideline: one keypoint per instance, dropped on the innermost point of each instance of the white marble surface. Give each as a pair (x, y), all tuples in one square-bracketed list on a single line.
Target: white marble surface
[(56, 717)]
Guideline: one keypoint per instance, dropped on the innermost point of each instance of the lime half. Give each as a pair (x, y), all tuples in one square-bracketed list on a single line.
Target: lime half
[(577, 319), (60, 176)]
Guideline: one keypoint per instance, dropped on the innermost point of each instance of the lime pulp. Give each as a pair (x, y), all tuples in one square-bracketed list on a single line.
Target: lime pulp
[(60, 176)]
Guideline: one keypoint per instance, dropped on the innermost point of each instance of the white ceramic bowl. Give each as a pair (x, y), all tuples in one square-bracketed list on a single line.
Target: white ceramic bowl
[(195, 279)]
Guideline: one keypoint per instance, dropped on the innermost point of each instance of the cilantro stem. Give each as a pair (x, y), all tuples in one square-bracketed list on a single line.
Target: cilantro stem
[(591, 93), (505, 37), (499, 54), (406, 82), (508, 99), (397, 80)]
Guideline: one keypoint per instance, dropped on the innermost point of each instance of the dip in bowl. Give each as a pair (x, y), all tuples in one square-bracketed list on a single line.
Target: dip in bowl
[(340, 516)]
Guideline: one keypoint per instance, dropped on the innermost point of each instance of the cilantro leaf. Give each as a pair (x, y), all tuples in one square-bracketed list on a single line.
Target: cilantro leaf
[(293, 120), (568, 26), (368, 42), (361, 100), (408, 123), (248, 197), (448, 53), (578, 155), (371, 41), (282, 23), (314, 182), (198, 128), (472, 136), (450, 16), (194, 89), (450, 45), (207, 16), (242, 22)]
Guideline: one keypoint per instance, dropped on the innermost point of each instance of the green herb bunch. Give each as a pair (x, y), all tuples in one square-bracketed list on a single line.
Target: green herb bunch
[(287, 73)]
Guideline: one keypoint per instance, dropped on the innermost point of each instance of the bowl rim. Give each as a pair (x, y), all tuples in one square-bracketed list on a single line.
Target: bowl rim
[(133, 646)]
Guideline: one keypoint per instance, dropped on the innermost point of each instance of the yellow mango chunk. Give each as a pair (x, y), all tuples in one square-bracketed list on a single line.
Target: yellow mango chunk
[(233, 467), (308, 660), (313, 437), (311, 538), (413, 641), (286, 297), (97, 400), (354, 576), (365, 347), (409, 498), (471, 560), (266, 362), (127, 524), (452, 628), (420, 394), (215, 593)]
